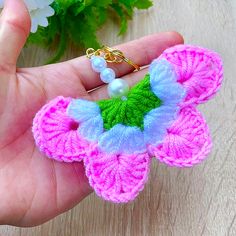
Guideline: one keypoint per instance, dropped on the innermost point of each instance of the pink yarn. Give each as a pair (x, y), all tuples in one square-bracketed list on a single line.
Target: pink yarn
[(187, 142), (119, 178), (56, 134), (199, 70)]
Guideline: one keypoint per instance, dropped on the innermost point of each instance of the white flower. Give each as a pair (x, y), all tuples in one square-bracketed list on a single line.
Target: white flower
[(39, 11)]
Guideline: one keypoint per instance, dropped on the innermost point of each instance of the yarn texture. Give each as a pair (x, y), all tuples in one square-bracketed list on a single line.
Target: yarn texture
[(198, 69), (130, 112), (125, 139), (187, 142), (56, 133), (116, 139), (87, 114), (116, 178)]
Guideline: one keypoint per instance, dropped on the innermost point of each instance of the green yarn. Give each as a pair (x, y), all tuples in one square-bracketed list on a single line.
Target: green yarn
[(130, 112)]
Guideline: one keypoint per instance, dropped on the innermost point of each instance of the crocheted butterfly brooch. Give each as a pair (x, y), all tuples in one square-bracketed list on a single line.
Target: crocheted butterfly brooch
[(117, 138)]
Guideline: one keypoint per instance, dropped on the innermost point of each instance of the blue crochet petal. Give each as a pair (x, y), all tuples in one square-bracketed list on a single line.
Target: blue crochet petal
[(122, 139), (161, 71), (92, 128), (156, 123), (170, 94), (164, 85), (88, 115), (82, 110)]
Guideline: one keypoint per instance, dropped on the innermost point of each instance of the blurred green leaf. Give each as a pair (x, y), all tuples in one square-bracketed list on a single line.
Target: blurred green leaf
[(143, 4), (77, 21)]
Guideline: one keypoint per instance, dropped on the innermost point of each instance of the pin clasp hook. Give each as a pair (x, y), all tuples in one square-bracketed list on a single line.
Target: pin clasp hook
[(111, 55)]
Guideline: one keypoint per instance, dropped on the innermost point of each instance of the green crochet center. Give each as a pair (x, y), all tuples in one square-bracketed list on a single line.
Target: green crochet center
[(130, 112)]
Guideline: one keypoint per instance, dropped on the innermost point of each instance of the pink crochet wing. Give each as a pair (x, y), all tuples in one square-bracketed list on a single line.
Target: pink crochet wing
[(199, 70), (187, 141), (117, 178), (56, 133)]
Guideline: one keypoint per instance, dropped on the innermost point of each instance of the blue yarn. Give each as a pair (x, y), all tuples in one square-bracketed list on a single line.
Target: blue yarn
[(88, 114), (156, 123), (121, 139), (163, 80)]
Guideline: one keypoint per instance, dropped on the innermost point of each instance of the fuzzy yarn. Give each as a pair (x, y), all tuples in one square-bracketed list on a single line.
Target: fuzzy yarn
[(163, 81), (56, 133), (116, 178), (130, 112), (174, 132), (125, 139), (187, 141), (122, 139), (87, 114), (198, 69)]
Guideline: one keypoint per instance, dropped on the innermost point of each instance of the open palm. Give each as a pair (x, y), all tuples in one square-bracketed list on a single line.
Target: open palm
[(33, 188)]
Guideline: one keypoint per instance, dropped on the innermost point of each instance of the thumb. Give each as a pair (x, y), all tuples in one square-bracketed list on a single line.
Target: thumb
[(14, 30)]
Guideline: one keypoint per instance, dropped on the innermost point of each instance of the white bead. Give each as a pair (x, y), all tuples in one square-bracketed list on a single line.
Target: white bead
[(107, 75), (118, 88), (98, 63)]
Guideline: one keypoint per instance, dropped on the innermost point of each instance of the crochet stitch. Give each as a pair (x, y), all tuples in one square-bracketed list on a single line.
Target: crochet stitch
[(56, 133), (117, 178), (198, 69), (187, 142), (130, 112), (89, 118), (124, 139), (117, 153)]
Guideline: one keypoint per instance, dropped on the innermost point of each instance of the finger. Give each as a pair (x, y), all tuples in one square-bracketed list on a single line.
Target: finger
[(132, 79), (14, 30), (142, 51)]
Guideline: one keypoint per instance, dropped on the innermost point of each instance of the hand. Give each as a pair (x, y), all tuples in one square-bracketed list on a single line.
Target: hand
[(33, 188)]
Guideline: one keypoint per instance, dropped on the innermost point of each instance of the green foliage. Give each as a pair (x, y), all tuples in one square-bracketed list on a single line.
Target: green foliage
[(130, 112), (77, 21)]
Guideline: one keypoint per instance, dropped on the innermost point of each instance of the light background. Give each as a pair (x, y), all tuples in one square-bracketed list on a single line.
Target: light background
[(182, 202)]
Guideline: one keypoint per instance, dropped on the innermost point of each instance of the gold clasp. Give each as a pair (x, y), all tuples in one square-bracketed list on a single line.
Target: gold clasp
[(111, 55)]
